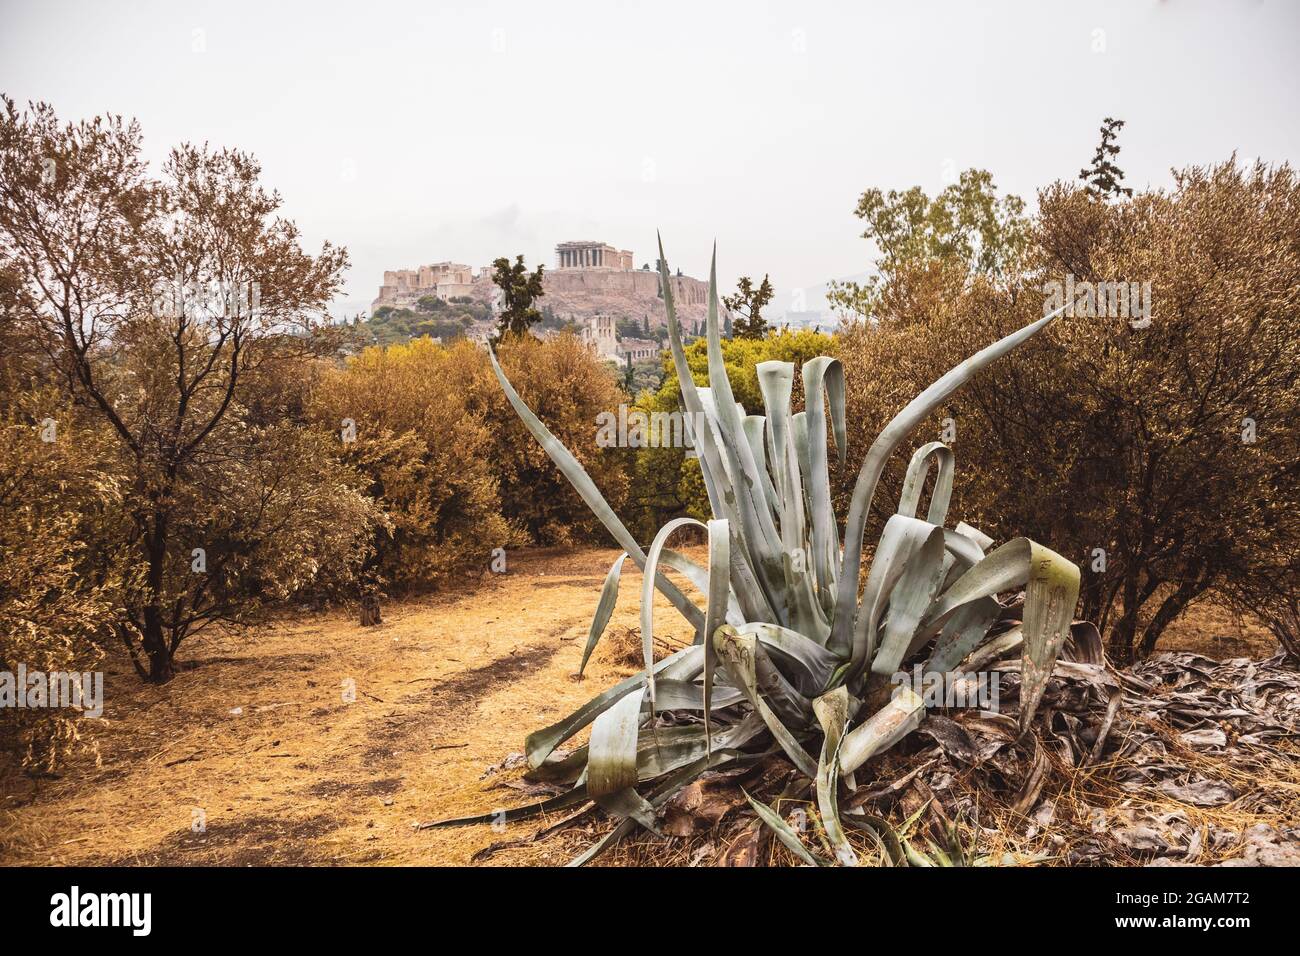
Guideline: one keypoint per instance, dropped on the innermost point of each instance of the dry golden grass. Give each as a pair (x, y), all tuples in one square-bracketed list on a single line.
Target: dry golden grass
[(446, 688)]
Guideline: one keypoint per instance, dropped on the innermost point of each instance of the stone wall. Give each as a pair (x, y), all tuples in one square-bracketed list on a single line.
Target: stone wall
[(574, 294), (580, 294)]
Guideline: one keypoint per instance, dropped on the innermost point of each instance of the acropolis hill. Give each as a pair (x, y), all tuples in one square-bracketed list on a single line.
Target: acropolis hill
[(588, 279)]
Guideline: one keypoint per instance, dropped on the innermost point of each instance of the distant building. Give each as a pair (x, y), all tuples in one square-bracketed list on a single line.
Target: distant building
[(805, 320), (590, 280), (445, 280), (591, 255), (638, 350), (599, 334)]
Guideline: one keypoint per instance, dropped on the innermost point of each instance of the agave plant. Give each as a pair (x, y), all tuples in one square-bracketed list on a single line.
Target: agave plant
[(787, 653)]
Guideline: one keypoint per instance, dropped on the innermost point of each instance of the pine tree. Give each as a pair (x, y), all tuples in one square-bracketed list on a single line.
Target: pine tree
[(748, 304), (520, 289), (1103, 177)]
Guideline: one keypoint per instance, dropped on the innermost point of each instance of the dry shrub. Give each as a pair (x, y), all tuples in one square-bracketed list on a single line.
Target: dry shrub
[(59, 586), (423, 448), (1140, 431), (568, 387), (437, 446)]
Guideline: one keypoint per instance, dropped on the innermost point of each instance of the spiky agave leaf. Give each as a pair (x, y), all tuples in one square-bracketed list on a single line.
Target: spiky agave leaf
[(786, 650)]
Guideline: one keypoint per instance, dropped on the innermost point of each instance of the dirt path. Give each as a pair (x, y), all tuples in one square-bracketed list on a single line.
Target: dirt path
[(254, 736)]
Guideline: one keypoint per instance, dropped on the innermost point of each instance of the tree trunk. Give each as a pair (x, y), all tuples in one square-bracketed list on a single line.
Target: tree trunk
[(370, 610), (1121, 638), (1169, 609), (1285, 625), (161, 668)]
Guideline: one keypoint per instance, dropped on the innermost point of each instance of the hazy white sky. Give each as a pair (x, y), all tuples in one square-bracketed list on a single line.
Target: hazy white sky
[(415, 132)]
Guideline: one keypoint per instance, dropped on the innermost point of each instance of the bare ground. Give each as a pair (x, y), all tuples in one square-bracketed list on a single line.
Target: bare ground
[(254, 736)]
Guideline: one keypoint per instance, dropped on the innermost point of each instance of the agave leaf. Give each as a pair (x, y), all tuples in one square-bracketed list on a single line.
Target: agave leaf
[(888, 726), (783, 832), (832, 710), (689, 695), (590, 494), (738, 653), (823, 376), (570, 798), (540, 744), (998, 647), (1002, 569), (964, 549), (604, 608), (1050, 597), (915, 592), (915, 857), (901, 536), (755, 433), (611, 754), (612, 761), (648, 598), (873, 465), (962, 633), (817, 663), (975, 534), (669, 748), (917, 470), (719, 591), (776, 383)]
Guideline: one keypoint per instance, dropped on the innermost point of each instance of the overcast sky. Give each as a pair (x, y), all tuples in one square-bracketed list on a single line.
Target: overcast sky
[(415, 132)]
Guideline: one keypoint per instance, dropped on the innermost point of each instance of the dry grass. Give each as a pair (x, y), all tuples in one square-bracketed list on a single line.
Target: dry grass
[(256, 734), (445, 688)]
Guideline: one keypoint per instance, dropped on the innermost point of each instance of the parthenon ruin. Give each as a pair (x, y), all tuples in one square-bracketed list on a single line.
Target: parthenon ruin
[(591, 255)]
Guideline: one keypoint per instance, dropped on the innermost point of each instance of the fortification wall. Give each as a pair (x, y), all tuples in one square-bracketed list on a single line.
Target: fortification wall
[(582, 293)]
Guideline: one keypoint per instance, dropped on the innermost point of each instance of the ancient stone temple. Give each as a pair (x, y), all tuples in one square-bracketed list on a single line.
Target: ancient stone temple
[(590, 280), (591, 255), (445, 280)]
